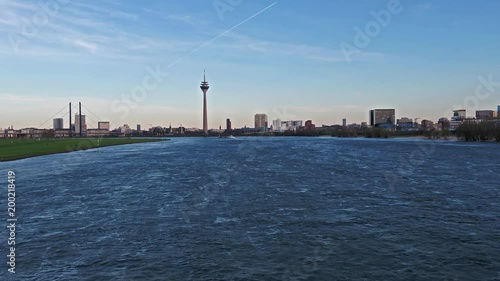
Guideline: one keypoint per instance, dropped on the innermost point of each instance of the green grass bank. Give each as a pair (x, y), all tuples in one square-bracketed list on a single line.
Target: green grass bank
[(13, 149)]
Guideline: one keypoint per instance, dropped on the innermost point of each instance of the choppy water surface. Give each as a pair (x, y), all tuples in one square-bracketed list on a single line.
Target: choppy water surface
[(260, 209)]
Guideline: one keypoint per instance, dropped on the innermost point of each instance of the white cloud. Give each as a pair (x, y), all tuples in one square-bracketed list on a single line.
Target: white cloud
[(17, 99), (425, 6), (8, 19), (189, 19), (7, 4), (85, 33), (124, 15), (328, 59), (86, 45), (290, 50), (87, 27)]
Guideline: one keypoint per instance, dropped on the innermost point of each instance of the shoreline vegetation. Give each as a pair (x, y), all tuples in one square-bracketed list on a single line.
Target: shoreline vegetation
[(483, 131), (15, 149), (468, 131)]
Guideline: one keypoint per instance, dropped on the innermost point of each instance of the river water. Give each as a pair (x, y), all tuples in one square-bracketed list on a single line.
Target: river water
[(259, 209)]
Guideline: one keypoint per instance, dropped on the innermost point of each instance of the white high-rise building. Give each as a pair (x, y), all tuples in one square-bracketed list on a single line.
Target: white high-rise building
[(281, 126), (125, 129), (277, 125)]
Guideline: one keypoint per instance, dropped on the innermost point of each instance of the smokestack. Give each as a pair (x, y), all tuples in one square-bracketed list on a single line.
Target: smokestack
[(70, 132), (80, 109)]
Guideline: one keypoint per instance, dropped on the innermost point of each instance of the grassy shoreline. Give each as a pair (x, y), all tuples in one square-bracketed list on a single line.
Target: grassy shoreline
[(15, 149)]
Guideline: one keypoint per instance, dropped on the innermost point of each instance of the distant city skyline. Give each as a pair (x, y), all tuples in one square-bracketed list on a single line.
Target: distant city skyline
[(375, 117), (284, 59)]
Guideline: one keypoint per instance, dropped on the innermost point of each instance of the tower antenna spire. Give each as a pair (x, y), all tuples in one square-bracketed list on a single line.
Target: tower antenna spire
[(204, 87)]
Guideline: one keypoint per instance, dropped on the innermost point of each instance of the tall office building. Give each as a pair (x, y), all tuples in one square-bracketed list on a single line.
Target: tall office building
[(384, 117), (459, 114), (58, 123), (344, 122), (427, 125), (138, 127), (204, 88), (228, 124), (457, 119), (406, 124), (103, 125), (498, 111), (309, 125), (77, 124), (277, 125), (260, 121), (485, 114)]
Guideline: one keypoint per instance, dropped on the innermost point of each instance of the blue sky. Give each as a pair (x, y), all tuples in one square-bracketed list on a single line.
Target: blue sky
[(286, 59)]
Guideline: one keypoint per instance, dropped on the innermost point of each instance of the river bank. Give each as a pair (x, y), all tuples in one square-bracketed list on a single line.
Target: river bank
[(15, 149)]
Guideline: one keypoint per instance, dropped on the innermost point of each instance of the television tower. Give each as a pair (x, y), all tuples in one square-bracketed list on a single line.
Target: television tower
[(204, 87)]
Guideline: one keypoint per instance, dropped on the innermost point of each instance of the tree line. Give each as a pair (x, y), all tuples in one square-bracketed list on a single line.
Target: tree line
[(483, 131)]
